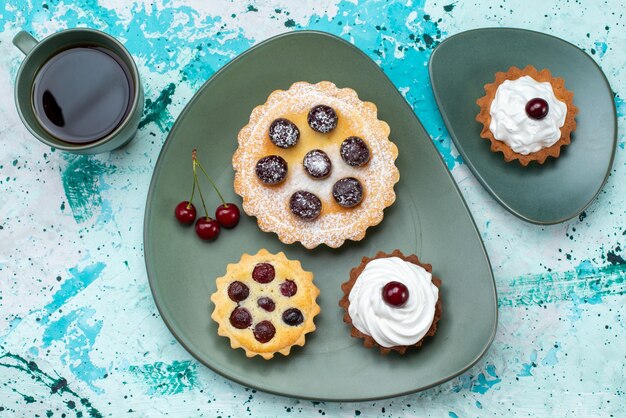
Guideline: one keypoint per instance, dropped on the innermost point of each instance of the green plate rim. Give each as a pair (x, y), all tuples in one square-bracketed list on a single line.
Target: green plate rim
[(470, 164), (150, 273)]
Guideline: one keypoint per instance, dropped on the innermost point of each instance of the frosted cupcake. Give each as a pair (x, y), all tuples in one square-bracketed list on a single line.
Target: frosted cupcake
[(528, 115), (392, 302)]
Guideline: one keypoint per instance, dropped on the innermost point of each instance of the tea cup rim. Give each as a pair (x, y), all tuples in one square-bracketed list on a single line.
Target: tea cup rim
[(132, 66)]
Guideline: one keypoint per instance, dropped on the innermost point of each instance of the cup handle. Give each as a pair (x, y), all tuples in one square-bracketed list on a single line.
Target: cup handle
[(24, 41)]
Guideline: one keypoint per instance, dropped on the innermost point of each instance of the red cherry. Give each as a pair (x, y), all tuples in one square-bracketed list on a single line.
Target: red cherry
[(238, 291), (207, 228), (293, 317), (240, 318), (537, 108), (288, 288), (395, 294), (263, 273), (227, 215), (266, 303), (185, 213), (264, 331)]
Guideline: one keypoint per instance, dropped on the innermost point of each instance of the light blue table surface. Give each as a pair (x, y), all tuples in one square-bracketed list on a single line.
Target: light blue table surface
[(79, 332)]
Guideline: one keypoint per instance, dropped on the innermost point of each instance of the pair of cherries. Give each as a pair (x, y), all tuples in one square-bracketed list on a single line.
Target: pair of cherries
[(208, 229)]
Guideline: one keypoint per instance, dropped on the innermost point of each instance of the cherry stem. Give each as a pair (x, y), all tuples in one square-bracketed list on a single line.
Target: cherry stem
[(193, 192), (195, 180), (211, 180)]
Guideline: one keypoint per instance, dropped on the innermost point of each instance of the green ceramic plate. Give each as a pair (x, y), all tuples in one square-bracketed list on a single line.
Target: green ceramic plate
[(429, 219), (543, 194)]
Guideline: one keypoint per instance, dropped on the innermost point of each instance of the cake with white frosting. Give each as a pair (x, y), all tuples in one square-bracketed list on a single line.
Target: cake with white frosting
[(392, 301), (528, 115)]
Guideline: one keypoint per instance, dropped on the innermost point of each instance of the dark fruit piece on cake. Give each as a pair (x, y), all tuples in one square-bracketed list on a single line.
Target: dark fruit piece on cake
[(322, 118)]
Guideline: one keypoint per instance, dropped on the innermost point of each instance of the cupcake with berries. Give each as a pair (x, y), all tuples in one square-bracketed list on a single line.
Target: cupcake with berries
[(265, 304), (315, 165), (392, 302), (527, 115)]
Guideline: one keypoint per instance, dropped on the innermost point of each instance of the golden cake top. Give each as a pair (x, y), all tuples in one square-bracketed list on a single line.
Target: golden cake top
[(315, 165), (265, 304)]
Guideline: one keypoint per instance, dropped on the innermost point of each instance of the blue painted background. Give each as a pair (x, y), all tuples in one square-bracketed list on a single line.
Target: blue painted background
[(79, 332)]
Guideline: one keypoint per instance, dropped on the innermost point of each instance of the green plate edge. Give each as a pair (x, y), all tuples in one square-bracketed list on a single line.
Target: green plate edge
[(148, 209), (469, 162)]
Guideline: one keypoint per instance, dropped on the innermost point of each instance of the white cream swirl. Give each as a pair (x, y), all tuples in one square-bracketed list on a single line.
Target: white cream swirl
[(389, 325), (510, 123)]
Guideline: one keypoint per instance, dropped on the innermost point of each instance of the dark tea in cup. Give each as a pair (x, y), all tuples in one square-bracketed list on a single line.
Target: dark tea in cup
[(82, 94), (78, 90)]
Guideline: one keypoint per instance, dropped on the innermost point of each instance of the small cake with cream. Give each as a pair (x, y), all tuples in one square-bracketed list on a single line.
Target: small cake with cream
[(528, 115), (392, 302)]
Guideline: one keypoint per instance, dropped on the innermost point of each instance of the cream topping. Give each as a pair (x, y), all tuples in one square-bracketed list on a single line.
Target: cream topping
[(510, 123), (389, 325)]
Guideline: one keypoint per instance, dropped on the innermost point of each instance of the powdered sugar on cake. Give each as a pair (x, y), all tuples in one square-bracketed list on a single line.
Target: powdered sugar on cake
[(270, 203)]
